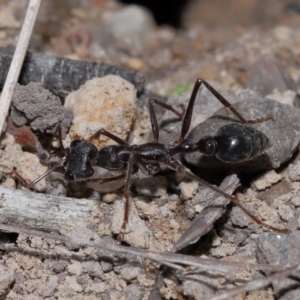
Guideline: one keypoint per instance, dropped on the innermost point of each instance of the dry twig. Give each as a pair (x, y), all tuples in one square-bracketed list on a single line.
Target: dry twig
[(15, 67), (163, 258)]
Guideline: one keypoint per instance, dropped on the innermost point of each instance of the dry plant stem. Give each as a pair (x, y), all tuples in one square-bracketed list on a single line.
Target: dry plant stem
[(43, 212), (16, 64), (256, 284), (163, 258)]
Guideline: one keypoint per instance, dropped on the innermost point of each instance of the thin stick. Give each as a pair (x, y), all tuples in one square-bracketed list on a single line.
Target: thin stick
[(256, 284), (163, 258), (17, 61)]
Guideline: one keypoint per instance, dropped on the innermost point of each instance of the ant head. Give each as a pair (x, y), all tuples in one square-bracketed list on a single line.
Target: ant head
[(77, 164), (207, 145)]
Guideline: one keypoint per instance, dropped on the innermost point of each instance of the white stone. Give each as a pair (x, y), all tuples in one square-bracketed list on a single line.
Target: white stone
[(266, 180), (106, 102), (75, 268), (188, 189), (296, 201)]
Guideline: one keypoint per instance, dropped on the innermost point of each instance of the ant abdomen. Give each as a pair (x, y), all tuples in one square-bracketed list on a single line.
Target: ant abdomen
[(237, 143)]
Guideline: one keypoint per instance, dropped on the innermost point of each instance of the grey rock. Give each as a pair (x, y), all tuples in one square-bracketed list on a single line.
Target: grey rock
[(132, 20), (92, 268), (294, 171), (133, 291), (198, 289), (82, 279), (47, 290), (296, 201), (283, 134), (59, 266), (241, 236), (129, 273), (266, 74), (19, 277), (281, 250), (42, 110), (106, 266), (18, 117), (239, 218), (7, 277)]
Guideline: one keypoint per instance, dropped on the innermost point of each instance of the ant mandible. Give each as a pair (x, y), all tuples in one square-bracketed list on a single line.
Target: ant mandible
[(234, 143)]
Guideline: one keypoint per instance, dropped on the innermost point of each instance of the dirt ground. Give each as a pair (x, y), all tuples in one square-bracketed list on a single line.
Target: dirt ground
[(248, 51)]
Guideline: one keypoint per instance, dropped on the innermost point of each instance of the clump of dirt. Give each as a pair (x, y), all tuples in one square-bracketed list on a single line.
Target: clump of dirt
[(165, 206)]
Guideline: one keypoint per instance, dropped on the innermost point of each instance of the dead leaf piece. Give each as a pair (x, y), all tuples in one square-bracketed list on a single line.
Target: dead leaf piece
[(204, 222)]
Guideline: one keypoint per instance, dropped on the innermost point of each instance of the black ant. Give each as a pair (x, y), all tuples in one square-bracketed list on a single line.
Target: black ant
[(234, 142)]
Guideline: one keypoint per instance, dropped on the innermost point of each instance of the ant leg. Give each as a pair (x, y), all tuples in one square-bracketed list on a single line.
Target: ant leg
[(177, 166), (62, 152), (153, 119), (106, 133), (186, 122), (229, 106), (187, 118), (127, 194), (59, 136), (15, 174)]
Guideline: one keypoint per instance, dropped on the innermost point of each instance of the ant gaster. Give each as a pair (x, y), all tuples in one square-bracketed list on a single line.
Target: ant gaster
[(231, 143)]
